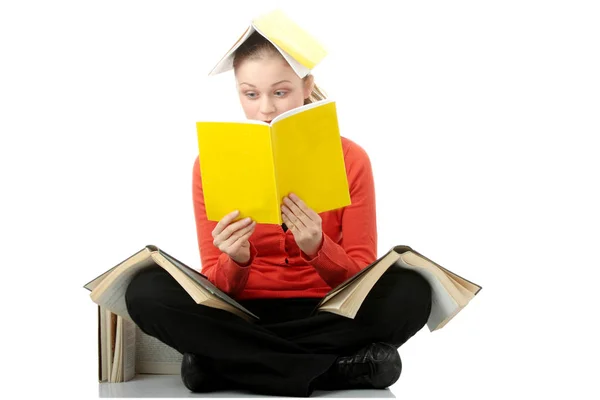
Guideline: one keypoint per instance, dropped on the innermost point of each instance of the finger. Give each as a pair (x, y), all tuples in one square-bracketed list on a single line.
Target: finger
[(230, 230), (235, 245), (291, 218), (297, 213), (305, 209), (291, 226), (229, 240), (238, 243), (224, 222), (239, 232), (233, 228)]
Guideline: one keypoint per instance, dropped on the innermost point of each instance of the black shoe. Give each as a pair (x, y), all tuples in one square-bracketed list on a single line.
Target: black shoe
[(376, 366), (195, 378)]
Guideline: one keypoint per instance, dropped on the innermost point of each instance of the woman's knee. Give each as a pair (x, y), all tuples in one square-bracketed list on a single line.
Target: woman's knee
[(406, 293), (408, 305), (416, 292), (145, 289)]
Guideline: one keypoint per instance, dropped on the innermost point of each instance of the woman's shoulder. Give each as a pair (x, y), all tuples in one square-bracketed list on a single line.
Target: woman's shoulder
[(353, 152), (196, 169)]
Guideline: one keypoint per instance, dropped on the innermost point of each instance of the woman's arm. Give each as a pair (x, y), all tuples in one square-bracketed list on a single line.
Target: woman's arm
[(220, 269), (358, 248)]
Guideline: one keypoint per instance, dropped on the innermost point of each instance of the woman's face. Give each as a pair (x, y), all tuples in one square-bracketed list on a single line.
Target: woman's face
[(269, 87)]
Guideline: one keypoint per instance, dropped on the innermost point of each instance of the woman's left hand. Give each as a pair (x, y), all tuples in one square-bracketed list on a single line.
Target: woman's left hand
[(304, 223)]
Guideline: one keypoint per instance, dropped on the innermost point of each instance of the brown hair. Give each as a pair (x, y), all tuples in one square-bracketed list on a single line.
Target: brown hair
[(257, 47)]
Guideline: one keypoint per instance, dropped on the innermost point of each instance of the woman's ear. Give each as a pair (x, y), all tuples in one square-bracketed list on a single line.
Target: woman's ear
[(309, 84)]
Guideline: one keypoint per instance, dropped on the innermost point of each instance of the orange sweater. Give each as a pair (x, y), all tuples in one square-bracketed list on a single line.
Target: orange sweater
[(278, 268)]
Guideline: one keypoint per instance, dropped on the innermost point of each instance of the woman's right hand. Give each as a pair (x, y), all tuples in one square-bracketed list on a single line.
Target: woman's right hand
[(232, 237)]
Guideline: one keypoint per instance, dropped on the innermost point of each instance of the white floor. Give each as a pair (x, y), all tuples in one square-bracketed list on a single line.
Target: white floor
[(171, 386)]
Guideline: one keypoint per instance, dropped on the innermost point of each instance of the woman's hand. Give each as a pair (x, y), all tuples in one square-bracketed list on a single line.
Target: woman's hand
[(232, 237), (304, 223)]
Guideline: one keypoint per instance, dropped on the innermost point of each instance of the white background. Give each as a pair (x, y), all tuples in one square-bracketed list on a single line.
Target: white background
[(481, 120)]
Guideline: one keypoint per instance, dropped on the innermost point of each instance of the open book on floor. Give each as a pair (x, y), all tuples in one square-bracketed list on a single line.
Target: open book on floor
[(124, 351), (450, 292)]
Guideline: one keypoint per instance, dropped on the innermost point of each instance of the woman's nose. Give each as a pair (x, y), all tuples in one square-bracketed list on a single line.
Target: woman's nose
[(267, 106)]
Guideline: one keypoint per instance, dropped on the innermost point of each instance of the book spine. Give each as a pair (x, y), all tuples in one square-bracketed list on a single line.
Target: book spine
[(274, 158)]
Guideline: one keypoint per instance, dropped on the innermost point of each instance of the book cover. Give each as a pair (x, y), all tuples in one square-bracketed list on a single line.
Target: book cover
[(251, 166)]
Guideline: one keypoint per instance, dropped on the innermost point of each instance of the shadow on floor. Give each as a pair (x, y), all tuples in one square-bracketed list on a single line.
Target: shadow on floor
[(171, 386)]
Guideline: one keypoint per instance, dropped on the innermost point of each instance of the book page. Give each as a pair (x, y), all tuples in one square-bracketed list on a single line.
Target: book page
[(443, 303), (110, 293), (111, 329), (471, 287), (94, 283), (102, 337), (117, 357), (226, 61), (464, 291), (347, 302), (155, 357), (342, 286), (206, 286), (420, 264), (335, 304), (300, 109), (311, 139), (421, 259), (128, 348)]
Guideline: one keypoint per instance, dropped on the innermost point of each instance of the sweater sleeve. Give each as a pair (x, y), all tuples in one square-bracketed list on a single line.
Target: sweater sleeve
[(219, 268), (358, 248)]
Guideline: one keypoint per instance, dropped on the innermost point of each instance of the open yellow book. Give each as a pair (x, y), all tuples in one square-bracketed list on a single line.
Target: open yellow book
[(251, 166)]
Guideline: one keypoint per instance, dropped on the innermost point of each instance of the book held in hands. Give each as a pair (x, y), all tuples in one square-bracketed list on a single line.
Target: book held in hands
[(251, 165)]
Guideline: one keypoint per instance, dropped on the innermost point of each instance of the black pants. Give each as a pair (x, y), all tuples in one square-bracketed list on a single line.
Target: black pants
[(284, 352)]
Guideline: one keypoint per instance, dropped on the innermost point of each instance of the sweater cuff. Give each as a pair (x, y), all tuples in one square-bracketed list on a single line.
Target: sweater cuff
[(238, 272), (253, 253), (322, 253)]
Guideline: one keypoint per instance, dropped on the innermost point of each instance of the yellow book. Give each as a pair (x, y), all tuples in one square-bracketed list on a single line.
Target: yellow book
[(251, 166), (300, 49)]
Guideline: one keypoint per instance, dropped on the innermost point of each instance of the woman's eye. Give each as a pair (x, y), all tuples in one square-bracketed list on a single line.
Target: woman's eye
[(251, 95), (280, 93)]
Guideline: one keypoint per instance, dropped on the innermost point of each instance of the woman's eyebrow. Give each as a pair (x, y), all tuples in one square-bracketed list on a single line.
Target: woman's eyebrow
[(276, 83)]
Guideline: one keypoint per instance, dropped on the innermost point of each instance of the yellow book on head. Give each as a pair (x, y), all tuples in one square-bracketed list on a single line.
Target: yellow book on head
[(251, 166), (290, 37), (300, 49)]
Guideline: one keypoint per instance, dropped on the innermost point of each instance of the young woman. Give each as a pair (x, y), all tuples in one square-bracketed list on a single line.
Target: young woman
[(280, 273)]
